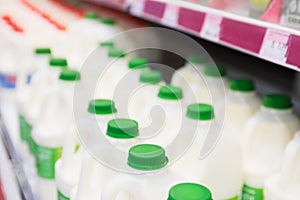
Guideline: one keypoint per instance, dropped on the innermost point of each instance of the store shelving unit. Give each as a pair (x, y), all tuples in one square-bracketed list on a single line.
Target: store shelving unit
[(268, 41)]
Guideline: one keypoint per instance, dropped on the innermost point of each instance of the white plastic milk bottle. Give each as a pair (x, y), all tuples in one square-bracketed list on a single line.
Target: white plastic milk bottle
[(241, 104), (189, 73), (126, 81), (154, 185), (285, 185), (210, 88), (166, 112), (143, 96), (189, 191), (48, 134), (67, 168), (220, 167), (266, 135)]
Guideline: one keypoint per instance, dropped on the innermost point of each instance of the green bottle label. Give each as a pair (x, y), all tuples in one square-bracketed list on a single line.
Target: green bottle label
[(251, 193), (25, 128), (234, 198), (45, 160), (32, 145), (60, 196)]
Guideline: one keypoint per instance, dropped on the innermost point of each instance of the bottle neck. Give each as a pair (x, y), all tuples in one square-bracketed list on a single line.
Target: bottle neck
[(273, 111)]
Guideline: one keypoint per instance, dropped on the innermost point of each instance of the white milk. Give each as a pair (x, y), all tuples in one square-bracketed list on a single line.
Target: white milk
[(126, 81), (221, 168), (201, 85), (154, 185), (143, 96), (241, 103), (67, 168), (189, 74), (166, 109), (266, 136), (115, 67), (285, 185), (86, 33), (94, 176), (48, 134), (184, 191), (208, 88)]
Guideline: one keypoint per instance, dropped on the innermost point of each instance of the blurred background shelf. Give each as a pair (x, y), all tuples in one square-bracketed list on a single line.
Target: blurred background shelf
[(271, 42)]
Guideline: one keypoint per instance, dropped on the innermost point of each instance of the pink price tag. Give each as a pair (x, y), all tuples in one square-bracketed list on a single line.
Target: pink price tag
[(170, 17), (211, 27), (275, 45), (137, 7)]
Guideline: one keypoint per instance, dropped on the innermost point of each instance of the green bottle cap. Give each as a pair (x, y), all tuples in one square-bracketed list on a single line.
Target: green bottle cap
[(108, 21), (147, 157), (90, 15), (102, 107), (197, 59), (42, 51), (215, 71), (58, 62), (115, 53), (242, 85), (277, 101), (150, 77), (122, 128), (170, 92), (69, 75), (137, 63), (200, 112), (107, 44), (189, 191)]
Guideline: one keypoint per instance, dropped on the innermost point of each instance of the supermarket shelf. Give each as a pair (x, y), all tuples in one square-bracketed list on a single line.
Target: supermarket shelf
[(268, 41), (116, 4), (17, 163)]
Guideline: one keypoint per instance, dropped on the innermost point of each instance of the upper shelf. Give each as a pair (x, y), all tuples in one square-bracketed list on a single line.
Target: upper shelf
[(272, 42)]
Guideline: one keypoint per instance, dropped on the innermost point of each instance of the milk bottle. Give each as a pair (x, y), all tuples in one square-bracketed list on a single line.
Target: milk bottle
[(225, 182), (143, 96), (266, 135), (143, 158), (241, 103), (285, 184), (168, 109), (95, 175), (67, 168), (55, 67), (190, 73), (48, 134)]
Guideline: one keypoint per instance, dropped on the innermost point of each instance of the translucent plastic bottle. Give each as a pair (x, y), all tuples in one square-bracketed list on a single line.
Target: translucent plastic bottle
[(267, 134), (143, 157), (143, 95), (167, 108), (241, 103), (67, 168), (225, 182), (189, 74), (48, 134), (95, 175), (189, 191), (285, 184)]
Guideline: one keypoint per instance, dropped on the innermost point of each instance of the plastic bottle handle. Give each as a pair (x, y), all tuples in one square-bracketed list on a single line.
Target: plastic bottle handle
[(50, 101), (69, 147), (118, 185), (291, 160), (87, 170)]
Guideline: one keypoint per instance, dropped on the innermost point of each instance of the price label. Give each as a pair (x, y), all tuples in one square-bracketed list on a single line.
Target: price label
[(275, 45), (211, 27), (137, 7), (170, 17)]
